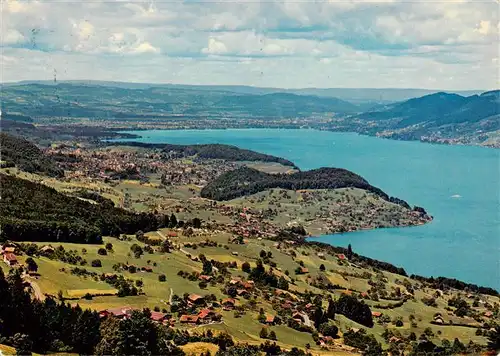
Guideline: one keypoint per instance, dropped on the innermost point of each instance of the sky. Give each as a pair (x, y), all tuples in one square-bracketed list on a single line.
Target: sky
[(287, 44)]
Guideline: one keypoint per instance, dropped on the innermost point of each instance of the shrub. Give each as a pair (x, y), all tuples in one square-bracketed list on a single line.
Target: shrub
[(162, 278), (96, 263), (102, 251), (263, 333)]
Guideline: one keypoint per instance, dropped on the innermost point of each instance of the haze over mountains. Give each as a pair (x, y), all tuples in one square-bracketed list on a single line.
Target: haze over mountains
[(436, 117), (354, 95)]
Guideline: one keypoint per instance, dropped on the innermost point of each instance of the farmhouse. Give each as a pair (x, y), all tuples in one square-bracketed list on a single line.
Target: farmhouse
[(10, 259), (228, 304), (376, 314), (196, 299), (158, 317), (270, 319), (121, 312), (191, 319)]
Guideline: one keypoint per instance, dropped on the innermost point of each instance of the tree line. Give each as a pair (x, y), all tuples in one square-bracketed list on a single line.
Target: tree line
[(31, 211), (214, 151), (246, 181), (16, 151)]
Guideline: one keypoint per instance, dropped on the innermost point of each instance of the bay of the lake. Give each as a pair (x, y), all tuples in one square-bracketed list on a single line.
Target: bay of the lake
[(458, 185)]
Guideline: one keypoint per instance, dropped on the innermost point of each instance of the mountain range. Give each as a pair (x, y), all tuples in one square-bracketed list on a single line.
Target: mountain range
[(442, 117)]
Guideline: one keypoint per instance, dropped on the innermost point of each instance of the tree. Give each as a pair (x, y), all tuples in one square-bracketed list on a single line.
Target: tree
[(263, 333), (173, 221), (319, 317), (22, 344), (162, 278), (102, 251), (329, 329), (349, 252), (207, 267), (494, 339), (330, 311), (245, 267), (109, 246), (196, 223), (283, 283), (322, 268), (355, 310), (263, 254), (96, 263), (31, 264), (272, 335)]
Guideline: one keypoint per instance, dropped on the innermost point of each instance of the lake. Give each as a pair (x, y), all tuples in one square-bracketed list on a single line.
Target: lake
[(458, 185)]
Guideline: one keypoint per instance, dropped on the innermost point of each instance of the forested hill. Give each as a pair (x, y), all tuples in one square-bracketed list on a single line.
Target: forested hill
[(440, 109), (34, 212), (16, 151), (214, 151), (246, 181)]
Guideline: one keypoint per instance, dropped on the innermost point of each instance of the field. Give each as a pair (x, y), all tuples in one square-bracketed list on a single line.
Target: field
[(55, 277)]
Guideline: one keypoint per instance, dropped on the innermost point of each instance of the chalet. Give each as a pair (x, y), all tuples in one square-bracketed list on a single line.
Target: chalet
[(304, 270), (249, 285), (234, 281), (228, 303), (204, 277), (191, 319), (376, 314), (158, 317), (121, 313), (341, 256), (286, 305), (308, 306), (488, 314), (234, 253), (206, 315), (172, 234), (8, 249), (148, 269), (10, 259), (196, 299), (270, 319), (347, 292)]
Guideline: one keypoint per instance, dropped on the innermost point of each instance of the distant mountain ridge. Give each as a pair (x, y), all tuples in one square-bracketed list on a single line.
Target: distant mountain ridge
[(353, 95), (440, 115)]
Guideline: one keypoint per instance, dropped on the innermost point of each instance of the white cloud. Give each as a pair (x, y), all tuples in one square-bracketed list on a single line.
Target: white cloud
[(145, 47), (364, 42), (12, 37), (215, 47)]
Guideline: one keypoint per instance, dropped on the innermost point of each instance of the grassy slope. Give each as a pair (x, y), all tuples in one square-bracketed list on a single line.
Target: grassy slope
[(247, 327)]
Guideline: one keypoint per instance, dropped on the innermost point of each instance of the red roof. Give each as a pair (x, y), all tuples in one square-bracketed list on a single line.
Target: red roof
[(172, 234), (194, 297), (204, 313), (205, 277), (188, 319), (376, 314), (270, 319), (10, 257), (341, 256), (157, 316)]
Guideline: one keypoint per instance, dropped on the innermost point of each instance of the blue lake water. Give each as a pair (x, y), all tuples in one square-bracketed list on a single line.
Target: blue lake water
[(458, 185)]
